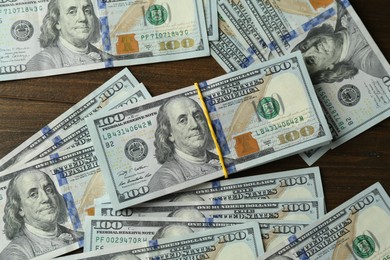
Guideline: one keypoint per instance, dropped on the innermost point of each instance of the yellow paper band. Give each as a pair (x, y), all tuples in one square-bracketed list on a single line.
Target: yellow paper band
[(206, 113)]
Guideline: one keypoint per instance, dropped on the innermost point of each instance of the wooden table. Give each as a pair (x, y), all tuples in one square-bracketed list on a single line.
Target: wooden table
[(28, 105)]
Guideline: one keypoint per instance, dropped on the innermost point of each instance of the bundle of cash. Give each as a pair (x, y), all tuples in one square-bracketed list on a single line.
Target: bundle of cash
[(57, 37), (163, 145), (349, 72)]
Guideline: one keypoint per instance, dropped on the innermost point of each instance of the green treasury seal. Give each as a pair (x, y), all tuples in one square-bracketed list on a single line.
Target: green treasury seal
[(363, 246), (157, 14), (268, 108)]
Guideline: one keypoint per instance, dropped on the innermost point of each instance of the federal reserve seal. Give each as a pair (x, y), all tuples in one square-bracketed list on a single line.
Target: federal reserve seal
[(268, 108), (22, 30), (157, 14), (349, 95), (363, 246), (136, 150)]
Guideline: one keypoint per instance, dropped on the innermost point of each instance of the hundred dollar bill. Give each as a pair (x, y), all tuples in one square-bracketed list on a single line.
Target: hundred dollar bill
[(211, 16), (234, 13), (39, 217), (254, 113), (104, 232), (292, 210), (293, 184), (357, 229), (36, 42), (232, 242), (120, 85), (78, 134)]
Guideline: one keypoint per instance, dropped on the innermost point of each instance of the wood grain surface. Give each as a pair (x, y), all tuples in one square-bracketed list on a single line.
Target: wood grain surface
[(28, 105)]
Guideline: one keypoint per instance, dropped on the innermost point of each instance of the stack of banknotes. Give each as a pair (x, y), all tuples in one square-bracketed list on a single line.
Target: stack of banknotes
[(130, 176)]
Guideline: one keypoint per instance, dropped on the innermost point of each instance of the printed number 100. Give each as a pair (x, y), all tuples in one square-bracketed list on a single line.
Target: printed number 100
[(175, 44), (295, 135)]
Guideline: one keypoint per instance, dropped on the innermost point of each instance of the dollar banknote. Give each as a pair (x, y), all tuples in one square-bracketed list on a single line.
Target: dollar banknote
[(232, 242), (78, 134), (121, 85), (357, 229), (293, 184), (104, 232), (254, 113), (292, 210), (37, 41)]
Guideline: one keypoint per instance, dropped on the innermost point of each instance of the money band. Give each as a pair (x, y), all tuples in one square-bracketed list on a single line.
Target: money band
[(206, 113)]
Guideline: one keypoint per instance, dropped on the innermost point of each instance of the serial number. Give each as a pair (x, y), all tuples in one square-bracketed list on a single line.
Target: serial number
[(128, 129), (21, 10), (163, 35), (121, 240)]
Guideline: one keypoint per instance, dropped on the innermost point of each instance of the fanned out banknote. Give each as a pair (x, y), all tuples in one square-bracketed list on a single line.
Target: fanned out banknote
[(231, 242), (357, 229), (104, 232), (256, 116), (35, 43), (255, 209), (293, 184), (121, 85)]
